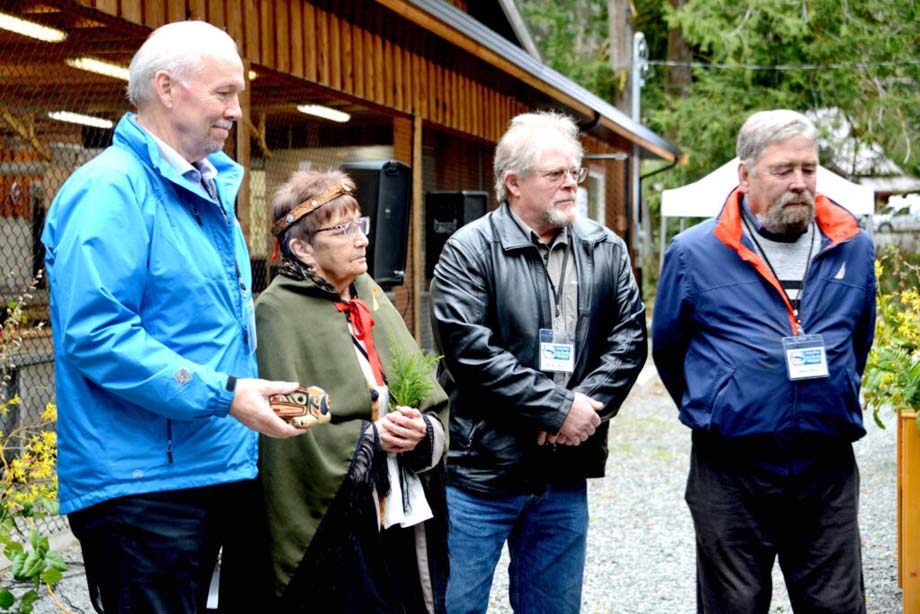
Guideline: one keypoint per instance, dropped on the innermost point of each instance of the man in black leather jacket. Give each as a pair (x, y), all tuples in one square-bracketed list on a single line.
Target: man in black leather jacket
[(543, 333)]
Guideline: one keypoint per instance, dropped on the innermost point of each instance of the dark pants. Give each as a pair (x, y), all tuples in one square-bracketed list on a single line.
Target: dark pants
[(747, 513), (155, 553)]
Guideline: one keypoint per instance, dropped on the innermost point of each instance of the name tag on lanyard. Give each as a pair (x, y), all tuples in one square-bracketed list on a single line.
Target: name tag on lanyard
[(557, 351), (806, 357)]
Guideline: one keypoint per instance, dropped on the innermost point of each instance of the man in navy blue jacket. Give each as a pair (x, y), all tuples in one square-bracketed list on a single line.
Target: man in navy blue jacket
[(763, 320)]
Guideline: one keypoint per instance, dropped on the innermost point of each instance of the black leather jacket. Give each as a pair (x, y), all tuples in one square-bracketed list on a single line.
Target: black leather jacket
[(489, 299)]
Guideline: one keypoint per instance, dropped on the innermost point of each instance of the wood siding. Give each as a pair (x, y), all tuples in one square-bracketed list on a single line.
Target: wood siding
[(446, 103), (364, 61)]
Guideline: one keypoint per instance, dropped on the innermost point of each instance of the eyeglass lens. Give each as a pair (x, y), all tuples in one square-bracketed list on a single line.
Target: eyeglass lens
[(352, 228), (578, 174)]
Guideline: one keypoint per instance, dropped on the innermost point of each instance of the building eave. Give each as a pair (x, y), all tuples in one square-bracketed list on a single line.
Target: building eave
[(458, 28)]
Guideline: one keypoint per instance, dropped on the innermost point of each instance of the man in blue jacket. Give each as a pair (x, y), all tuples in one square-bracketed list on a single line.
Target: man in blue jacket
[(151, 311), (763, 320)]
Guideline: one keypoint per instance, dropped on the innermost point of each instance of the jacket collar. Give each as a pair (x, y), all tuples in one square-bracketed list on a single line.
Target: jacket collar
[(511, 238), (128, 134), (834, 221), (362, 287)]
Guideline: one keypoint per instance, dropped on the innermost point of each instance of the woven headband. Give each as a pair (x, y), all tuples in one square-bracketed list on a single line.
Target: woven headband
[(307, 206)]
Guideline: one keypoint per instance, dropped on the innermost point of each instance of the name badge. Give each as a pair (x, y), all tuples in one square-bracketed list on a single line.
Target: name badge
[(806, 357), (557, 351)]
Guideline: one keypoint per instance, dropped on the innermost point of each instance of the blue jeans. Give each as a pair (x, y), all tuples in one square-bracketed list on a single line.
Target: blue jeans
[(546, 536)]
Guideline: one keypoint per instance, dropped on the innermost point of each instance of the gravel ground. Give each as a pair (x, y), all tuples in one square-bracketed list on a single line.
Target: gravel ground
[(640, 542)]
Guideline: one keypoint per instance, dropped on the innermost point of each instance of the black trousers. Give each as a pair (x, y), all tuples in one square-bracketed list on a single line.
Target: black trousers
[(747, 513), (155, 553)]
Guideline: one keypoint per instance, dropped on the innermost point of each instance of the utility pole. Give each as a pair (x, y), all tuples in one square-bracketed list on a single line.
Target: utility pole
[(640, 69)]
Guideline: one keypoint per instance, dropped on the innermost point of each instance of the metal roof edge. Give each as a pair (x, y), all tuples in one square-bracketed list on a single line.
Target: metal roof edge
[(519, 26), (475, 31)]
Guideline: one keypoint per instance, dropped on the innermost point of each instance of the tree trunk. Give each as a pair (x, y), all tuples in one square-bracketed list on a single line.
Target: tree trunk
[(679, 77), (620, 35)]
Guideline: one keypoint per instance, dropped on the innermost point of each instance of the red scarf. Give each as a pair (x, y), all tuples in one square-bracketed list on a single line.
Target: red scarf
[(359, 315)]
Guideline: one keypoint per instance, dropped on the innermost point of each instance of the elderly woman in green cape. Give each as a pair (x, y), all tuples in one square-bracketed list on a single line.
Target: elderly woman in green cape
[(355, 508)]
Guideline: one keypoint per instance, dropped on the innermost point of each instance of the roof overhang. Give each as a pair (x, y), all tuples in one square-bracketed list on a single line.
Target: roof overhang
[(456, 27), (519, 26)]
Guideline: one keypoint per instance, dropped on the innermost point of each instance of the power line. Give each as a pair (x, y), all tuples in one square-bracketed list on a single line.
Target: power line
[(784, 66)]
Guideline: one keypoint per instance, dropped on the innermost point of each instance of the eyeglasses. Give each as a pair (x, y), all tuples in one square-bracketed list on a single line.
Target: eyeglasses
[(349, 229), (556, 175)]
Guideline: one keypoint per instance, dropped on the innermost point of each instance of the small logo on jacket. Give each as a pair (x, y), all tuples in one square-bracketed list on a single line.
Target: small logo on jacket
[(842, 272)]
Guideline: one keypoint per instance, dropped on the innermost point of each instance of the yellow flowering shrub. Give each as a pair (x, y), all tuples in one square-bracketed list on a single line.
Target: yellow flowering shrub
[(28, 484), (28, 479), (892, 374)]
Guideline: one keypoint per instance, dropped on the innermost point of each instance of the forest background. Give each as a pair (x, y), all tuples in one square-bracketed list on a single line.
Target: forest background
[(855, 64)]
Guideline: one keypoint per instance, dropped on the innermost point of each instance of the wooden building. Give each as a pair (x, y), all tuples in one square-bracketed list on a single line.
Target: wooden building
[(429, 83)]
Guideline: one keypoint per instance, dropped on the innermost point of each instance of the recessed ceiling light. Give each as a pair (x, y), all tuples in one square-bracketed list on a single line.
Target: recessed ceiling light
[(99, 67), (31, 29), (324, 112), (79, 118)]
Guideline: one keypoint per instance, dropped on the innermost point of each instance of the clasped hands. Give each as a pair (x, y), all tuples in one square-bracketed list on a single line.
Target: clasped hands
[(580, 423), (402, 429)]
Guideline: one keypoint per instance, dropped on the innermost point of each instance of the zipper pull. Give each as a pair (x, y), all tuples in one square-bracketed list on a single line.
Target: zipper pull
[(169, 441)]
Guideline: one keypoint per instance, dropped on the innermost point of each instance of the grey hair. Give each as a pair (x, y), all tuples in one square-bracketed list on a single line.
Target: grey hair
[(177, 48), (303, 185), (768, 127), (528, 135)]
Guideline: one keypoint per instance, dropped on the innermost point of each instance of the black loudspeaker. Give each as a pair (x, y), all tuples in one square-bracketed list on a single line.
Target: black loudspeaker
[(384, 192), (445, 212)]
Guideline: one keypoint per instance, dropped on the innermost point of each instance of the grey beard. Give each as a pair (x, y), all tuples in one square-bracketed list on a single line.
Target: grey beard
[(558, 218), (789, 222)]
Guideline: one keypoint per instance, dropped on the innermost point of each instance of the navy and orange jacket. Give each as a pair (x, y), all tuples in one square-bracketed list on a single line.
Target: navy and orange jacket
[(720, 316)]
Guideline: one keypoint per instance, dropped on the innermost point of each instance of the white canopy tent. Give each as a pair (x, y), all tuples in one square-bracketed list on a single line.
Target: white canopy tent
[(704, 198)]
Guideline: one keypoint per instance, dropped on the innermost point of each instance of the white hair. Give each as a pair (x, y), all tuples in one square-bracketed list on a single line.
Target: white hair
[(527, 137), (177, 48)]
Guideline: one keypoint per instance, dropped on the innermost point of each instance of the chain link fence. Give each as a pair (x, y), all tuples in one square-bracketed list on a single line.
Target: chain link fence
[(60, 99), (40, 146)]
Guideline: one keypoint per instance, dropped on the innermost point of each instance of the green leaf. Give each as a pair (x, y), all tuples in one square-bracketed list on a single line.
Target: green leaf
[(6, 599), (39, 543), (27, 567), (878, 420), (12, 548), (18, 564), (49, 505), (410, 376), (52, 576), (56, 561), (27, 601)]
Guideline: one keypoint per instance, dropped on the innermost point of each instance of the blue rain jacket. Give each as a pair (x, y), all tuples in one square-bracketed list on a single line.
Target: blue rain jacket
[(720, 316), (150, 296)]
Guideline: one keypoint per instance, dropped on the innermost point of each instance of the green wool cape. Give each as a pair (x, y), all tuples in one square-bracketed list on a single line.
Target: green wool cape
[(303, 337)]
